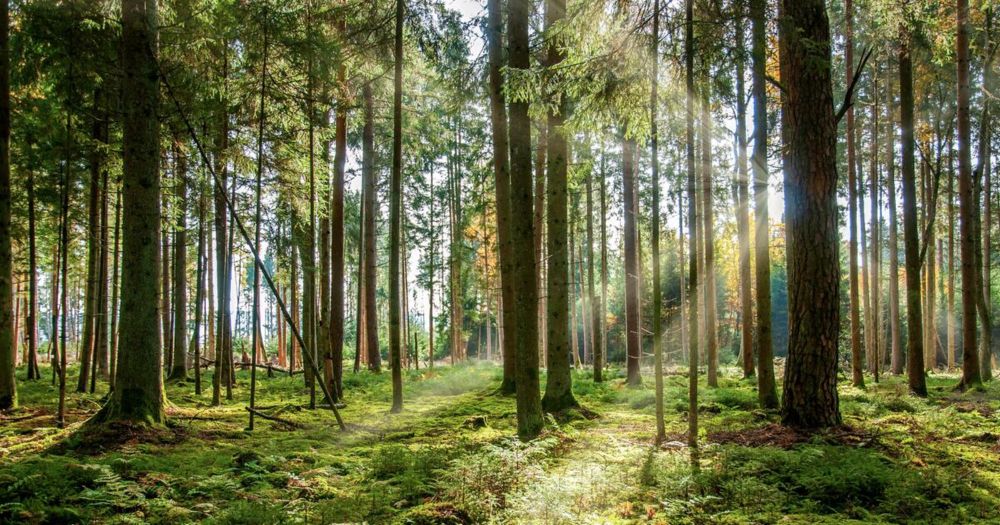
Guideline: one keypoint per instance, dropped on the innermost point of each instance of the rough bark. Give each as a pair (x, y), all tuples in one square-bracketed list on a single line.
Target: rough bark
[(8, 387), (138, 395), (501, 174), (559, 384), (523, 268), (967, 207), (692, 227), (810, 386), (633, 351), (914, 315)]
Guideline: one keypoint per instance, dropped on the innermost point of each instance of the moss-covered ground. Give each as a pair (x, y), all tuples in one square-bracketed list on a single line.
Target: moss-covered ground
[(450, 457)]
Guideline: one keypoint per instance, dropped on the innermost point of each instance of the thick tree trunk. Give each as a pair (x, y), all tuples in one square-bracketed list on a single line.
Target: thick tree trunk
[(523, 268), (8, 388), (967, 208), (559, 383), (914, 315), (138, 395), (810, 387), (766, 390)]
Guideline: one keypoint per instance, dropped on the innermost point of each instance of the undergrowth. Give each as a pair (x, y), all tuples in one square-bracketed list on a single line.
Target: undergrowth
[(451, 458)]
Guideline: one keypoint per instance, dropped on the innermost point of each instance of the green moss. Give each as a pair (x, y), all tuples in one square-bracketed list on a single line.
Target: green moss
[(932, 460)]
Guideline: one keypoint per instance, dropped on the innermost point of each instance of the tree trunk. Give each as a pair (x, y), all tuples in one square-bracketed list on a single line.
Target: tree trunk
[(93, 253), (632, 349), (595, 307), (914, 315), (501, 173), (32, 315), (100, 365), (661, 431), (895, 324), (984, 301), (692, 227), (8, 388), (810, 387), (711, 335), (875, 272), (967, 208), (541, 151), (337, 272), (742, 206), (523, 268), (115, 287), (604, 267), (395, 214), (179, 369), (559, 381), (766, 390), (369, 175), (223, 330), (138, 395), (857, 372)]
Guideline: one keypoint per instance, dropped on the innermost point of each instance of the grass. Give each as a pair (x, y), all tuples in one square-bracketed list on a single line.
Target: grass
[(898, 458)]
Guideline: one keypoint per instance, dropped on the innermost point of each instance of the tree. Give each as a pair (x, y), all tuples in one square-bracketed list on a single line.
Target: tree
[(368, 175), (525, 307), (179, 369), (632, 339), (742, 202), (914, 315), (8, 346), (501, 176), (767, 393), (395, 198), (558, 385), (692, 228), (852, 190), (967, 207), (810, 388), (138, 396), (661, 432)]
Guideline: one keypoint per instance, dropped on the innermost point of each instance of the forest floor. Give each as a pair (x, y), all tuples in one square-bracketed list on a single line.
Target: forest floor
[(451, 457)]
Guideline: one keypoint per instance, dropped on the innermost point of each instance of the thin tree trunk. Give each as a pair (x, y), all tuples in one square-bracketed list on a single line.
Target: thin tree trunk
[(501, 173), (115, 287), (857, 372), (692, 227), (93, 253), (632, 349), (661, 432), (742, 206), (895, 324), (541, 152), (32, 316), (766, 390), (711, 335), (371, 258), (179, 369), (595, 302), (395, 214)]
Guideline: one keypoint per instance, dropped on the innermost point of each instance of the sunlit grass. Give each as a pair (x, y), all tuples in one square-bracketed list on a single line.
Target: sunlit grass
[(910, 459)]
